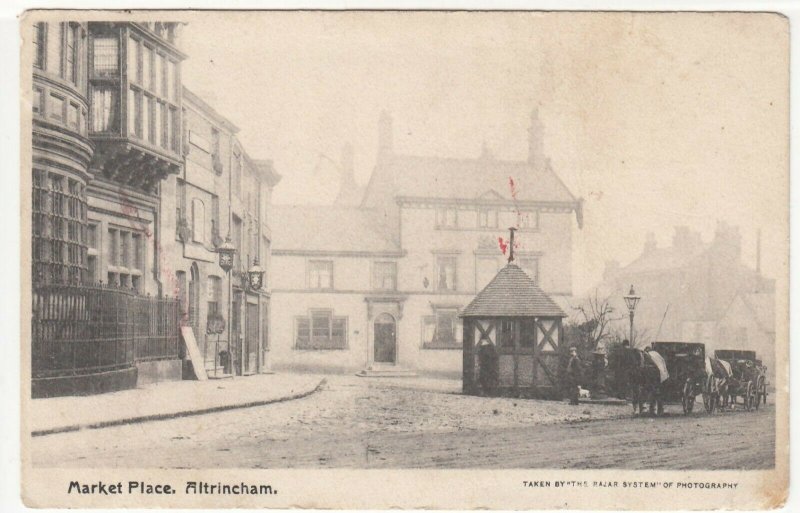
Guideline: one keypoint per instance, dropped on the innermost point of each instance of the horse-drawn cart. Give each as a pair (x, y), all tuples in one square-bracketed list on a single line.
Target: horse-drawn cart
[(687, 375), (748, 379)]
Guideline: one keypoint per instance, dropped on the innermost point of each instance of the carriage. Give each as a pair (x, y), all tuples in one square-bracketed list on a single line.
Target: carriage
[(748, 378), (687, 375)]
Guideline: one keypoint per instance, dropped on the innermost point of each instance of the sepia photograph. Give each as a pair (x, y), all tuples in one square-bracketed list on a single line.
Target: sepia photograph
[(546, 249)]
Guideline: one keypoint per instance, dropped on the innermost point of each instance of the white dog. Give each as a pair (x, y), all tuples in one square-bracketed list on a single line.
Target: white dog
[(583, 393)]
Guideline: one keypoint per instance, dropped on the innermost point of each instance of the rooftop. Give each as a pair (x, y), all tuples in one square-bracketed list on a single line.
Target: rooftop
[(325, 228), (512, 293)]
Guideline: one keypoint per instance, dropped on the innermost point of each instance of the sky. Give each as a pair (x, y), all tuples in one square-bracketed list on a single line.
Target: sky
[(656, 120)]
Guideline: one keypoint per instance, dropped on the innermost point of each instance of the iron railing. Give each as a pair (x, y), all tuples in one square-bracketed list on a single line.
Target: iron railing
[(89, 329)]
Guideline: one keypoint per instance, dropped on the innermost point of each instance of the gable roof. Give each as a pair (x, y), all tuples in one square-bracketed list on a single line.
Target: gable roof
[(327, 228), (452, 178), (512, 293)]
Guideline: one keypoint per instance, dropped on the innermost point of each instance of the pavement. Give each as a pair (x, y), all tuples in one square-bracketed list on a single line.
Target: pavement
[(166, 400)]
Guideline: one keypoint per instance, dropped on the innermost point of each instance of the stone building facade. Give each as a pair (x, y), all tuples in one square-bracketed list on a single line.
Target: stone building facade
[(378, 287)]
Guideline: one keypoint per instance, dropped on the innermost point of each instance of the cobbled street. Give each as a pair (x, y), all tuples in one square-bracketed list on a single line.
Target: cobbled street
[(412, 423)]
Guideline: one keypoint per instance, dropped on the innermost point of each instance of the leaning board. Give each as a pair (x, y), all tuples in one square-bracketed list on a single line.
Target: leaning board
[(194, 353)]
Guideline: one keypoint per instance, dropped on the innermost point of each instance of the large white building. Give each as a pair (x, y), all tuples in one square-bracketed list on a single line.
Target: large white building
[(379, 286)]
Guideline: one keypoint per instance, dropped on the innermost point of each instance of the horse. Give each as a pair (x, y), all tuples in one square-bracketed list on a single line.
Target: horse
[(639, 374)]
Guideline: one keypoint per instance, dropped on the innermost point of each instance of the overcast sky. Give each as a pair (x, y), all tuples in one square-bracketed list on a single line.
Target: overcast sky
[(656, 120)]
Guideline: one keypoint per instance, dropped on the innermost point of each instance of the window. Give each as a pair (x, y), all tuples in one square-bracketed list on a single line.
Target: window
[(134, 69), (151, 108), (71, 51), (320, 330), (134, 112), (446, 273), (125, 249), (531, 267), (162, 75), (506, 334), (39, 44), (106, 56), (56, 107), (180, 205), (157, 120), (528, 220), (147, 63), (164, 126), (487, 218), (38, 99), (486, 268), (145, 118), (104, 109), (138, 251), (446, 218), (53, 48), (198, 220), (172, 84), (113, 247), (214, 294), (175, 129), (215, 237), (320, 274), (443, 330), (384, 276)]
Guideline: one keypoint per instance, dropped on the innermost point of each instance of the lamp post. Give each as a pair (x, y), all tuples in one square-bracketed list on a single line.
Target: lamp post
[(631, 300), (227, 252)]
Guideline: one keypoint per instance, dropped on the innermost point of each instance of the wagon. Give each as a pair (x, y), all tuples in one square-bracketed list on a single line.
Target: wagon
[(687, 375), (748, 379)]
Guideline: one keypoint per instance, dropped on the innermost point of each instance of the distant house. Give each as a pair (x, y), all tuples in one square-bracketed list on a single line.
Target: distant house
[(688, 288), (749, 323), (380, 285)]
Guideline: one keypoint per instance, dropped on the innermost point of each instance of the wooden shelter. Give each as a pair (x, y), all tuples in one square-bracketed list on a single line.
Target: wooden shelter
[(512, 335)]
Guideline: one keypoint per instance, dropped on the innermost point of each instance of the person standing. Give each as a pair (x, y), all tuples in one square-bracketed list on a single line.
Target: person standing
[(573, 375)]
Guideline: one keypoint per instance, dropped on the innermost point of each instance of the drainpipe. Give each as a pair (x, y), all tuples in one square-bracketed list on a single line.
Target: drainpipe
[(157, 245)]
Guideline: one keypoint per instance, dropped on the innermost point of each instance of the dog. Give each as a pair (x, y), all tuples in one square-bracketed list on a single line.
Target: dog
[(583, 393)]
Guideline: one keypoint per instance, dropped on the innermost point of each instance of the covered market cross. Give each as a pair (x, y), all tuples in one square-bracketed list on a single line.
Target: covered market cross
[(512, 332)]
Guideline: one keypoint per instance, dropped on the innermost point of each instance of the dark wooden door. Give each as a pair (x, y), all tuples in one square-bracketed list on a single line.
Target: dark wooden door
[(385, 339)]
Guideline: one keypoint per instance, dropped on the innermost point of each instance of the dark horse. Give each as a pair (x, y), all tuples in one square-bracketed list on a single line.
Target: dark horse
[(639, 376)]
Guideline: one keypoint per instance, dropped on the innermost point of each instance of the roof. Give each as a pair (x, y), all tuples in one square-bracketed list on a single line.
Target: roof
[(325, 228), (512, 293), (485, 177), (267, 171), (210, 111), (660, 259)]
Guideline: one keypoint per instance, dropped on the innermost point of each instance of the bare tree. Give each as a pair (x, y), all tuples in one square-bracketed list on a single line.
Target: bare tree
[(593, 320)]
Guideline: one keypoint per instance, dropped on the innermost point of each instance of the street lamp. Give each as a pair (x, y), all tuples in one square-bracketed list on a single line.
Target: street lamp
[(631, 300), (227, 252), (255, 276)]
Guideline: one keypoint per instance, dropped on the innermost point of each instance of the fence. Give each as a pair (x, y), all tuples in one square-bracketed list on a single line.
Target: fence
[(89, 329)]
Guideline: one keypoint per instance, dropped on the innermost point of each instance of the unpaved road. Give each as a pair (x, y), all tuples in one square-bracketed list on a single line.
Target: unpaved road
[(368, 424)]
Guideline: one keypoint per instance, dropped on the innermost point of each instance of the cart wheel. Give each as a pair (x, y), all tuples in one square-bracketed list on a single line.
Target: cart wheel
[(757, 393), (749, 393), (688, 398), (762, 393)]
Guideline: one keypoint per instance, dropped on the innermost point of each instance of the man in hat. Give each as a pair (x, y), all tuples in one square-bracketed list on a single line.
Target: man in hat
[(573, 375)]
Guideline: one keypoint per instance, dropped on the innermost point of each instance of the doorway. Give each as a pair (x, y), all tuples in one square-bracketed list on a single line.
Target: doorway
[(385, 340)]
